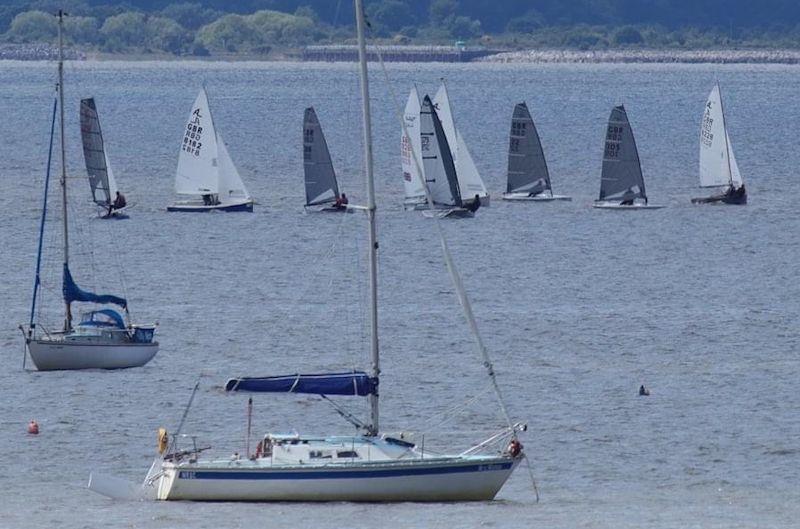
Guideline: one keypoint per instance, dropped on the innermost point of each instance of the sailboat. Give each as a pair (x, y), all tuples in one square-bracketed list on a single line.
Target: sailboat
[(528, 176), (322, 189), (718, 165), (621, 182), (410, 142), (101, 178), (104, 338), (439, 167), (206, 172), (372, 466), (469, 180)]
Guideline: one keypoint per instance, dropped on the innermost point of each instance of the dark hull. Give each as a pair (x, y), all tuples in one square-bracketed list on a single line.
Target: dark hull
[(722, 199), (247, 206)]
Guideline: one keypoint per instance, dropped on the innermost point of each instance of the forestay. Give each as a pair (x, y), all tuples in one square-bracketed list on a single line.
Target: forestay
[(527, 168), (409, 144), (320, 178), (437, 162), (198, 171), (469, 180), (717, 162), (622, 172), (101, 179), (354, 383)]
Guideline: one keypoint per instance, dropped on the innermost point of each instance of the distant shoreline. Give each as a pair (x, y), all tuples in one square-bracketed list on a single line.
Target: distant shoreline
[(43, 52)]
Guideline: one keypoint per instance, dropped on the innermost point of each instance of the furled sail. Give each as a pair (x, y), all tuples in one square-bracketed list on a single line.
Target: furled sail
[(622, 173), (72, 292), (198, 165), (320, 178), (469, 180), (440, 172), (412, 180), (101, 179), (354, 383), (527, 168)]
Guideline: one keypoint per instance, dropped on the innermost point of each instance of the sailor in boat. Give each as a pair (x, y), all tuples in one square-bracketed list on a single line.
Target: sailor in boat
[(210, 200), (341, 202), (474, 205), (736, 193), (628, 198), (119, 203), (643, 391)]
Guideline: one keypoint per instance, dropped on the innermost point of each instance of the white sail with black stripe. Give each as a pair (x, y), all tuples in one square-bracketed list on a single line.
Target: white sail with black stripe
[(527, 168), (320, 178), (101, 178), (622, 172), (440, 172)]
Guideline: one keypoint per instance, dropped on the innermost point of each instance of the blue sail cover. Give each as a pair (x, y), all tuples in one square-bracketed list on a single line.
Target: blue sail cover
[(355, 383), (73, 292)]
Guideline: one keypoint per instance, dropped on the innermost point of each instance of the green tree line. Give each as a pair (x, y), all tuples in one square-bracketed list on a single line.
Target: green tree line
[(259, 26)]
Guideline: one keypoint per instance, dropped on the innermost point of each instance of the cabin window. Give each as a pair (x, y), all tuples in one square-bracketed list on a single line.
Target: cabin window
[(346, 454), (319, 454)]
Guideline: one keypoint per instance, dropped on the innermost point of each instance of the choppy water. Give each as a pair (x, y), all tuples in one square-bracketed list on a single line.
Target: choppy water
[(578, 306)]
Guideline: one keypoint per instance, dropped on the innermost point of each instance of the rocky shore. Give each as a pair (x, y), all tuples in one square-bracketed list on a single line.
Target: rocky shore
[(648, 56)]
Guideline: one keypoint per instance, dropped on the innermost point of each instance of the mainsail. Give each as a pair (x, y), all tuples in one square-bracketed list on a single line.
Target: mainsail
[(622, 172), (101, 179), (527, 168), (717, 162), (412, 180), (204, 165), (469, 180), (320, 178), (437, 162)]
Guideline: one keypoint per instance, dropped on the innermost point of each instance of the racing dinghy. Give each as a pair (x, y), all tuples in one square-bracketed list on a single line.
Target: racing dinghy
[(206, 173), (104, 338), (528, 176), (105, 193), (718, 165), (367, 467), (322, 189), (621, 182)]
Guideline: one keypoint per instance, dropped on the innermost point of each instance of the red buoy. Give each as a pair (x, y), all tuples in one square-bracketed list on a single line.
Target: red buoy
[(33, 427)]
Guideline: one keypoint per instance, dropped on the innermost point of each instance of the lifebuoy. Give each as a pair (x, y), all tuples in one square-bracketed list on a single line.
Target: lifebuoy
[(514, 448)]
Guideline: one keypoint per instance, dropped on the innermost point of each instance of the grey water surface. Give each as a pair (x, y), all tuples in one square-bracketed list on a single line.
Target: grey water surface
[(578, 306)]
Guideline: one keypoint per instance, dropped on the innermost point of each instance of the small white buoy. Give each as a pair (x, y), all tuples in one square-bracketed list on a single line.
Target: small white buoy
[(33, 427)]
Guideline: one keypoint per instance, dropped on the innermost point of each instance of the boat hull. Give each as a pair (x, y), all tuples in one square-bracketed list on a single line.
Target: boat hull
[(722, 199), (54, 355), (524, 197), (189, 207), (452, 213), (470, 480), (327, 209), (617, 206)]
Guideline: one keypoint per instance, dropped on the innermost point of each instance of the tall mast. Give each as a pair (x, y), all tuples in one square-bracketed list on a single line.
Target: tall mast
[(68, 319), (373, 237), (725, 130)]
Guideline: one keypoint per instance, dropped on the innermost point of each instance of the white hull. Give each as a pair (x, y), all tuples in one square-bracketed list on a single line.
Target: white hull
[(453, 213), (51, 355), (524, 197), (327, 208), (617, 205), (462, 479), (198, 206)]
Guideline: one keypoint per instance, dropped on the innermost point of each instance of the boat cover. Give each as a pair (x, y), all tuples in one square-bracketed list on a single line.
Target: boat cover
[(356, 383)]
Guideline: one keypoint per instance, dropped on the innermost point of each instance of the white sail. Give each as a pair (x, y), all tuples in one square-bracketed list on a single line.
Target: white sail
[(715, 166), (112, 183), (736, 176), (198, 172), (231, 187), (412, 180), (469, 180)]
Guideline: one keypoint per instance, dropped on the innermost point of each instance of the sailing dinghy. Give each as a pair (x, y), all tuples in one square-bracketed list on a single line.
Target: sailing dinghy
[(718, 165), (104, 338), (101, 179), (206, 173), (372, 466), (322, 189), (528, 176), (621, 182)]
